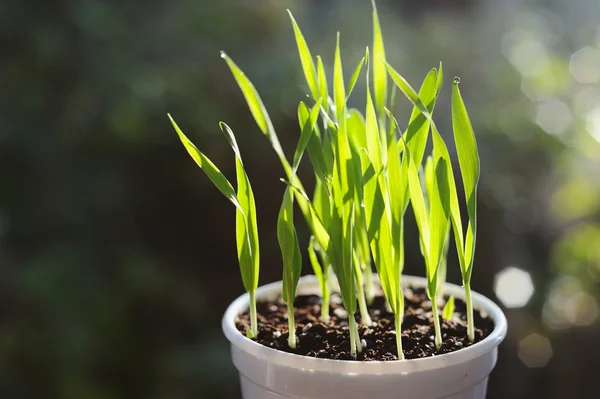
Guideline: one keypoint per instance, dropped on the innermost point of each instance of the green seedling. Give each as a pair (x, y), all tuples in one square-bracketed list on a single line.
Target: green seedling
[(243, 200), (286, 232)]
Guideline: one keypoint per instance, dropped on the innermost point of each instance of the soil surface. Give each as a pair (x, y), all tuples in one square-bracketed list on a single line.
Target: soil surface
[(331, 339)]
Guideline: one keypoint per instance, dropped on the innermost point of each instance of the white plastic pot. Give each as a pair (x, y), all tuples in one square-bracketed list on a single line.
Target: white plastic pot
[(267, 373)]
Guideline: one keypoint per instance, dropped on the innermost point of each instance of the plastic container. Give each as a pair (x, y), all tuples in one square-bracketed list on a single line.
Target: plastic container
[(267, 373)]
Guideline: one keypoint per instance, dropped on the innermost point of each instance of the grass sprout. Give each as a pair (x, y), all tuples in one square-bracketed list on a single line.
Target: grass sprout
[(468, 158), (286, 232), (246, 224)]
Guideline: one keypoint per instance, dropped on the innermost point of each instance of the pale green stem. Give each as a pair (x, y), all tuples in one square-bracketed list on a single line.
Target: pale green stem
[(369, 285), (436, 322), (441, 278), (362, 305), (253, 320), (355, 346), (470, 321), (326, 294), (292, 340), (399, 337), (325, 297)]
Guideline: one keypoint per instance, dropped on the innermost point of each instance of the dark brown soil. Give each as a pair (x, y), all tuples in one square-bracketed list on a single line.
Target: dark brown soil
[(331, 340)]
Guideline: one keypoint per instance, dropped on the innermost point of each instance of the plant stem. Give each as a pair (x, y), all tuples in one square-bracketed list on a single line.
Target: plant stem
[(399, 337), (436, 323), (470, 322), (291, 326), (362, 305), (325, 298), (355, 346), (253, 321), (369, 285), (326, 294)]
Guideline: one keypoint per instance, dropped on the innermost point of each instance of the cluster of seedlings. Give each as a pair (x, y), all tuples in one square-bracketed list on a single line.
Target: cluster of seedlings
[(367, 170)]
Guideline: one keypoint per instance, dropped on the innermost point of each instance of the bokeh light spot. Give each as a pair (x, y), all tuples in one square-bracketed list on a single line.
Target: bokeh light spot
[(513, 287), (554, 116), (568, 305), (535, 351), (585, 65), (527, 54)]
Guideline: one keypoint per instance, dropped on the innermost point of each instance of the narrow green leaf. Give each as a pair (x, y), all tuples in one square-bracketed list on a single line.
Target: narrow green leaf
[(379, 65), (440, 150), (308, 127), (439, 209), (354, 78), (339, 92), (429, 174), (321, 201), (306, 59), (246, 220), (407, 90), (466, 146), (322, 80), (314, 146), (357, 129), (213, 173), (417, 131), (468, 158), (448, 309), (257, 108), (374, 147), (290, 249), (314, 261), (418, 204), (319, 231)]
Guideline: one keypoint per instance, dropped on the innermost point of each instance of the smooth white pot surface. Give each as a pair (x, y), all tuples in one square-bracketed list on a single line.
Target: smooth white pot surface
[(267, 373)]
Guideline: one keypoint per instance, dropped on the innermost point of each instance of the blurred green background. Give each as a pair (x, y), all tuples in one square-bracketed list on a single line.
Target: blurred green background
[(117, 256)]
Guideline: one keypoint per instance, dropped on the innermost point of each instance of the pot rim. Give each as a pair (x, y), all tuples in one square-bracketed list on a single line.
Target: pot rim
[(286, 359)]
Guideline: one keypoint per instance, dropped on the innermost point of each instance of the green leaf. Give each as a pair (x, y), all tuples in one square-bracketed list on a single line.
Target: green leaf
[(468, 158), (306, 59), (246, 220), (322, 79), (213, 173), (417, 131), (308, 127), (321, 201), (314, 146), (354, 78), (290, 248), (314, 261), (439, 209), (356, 129), (429, 173), (440, 150), (379, 65), (339, 92), (407, 90), (319, 231), (418, 204), (448, 309), (374, 148), (258, 110)]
